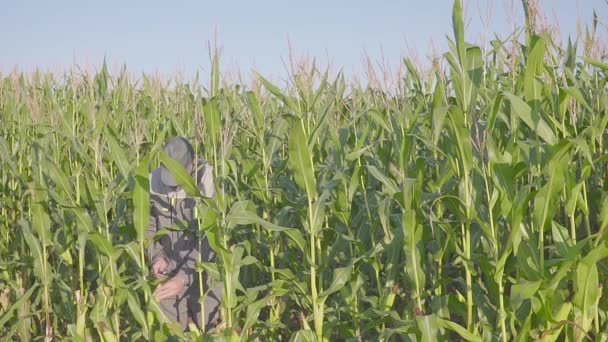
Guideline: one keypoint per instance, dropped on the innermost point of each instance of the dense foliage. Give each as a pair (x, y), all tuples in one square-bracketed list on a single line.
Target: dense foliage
[(470, 202)]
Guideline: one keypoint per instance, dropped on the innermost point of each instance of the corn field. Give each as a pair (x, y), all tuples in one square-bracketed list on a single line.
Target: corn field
[(468, 203)]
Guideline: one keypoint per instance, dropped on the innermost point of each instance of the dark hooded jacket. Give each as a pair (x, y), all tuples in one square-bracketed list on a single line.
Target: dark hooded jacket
[(172, 208)]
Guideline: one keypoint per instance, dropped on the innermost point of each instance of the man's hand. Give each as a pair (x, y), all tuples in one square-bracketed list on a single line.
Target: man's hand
[(170, 288), (159, 268)]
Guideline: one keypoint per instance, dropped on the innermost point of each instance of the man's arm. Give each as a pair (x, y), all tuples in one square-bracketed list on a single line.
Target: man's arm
[(155, 252), (205, 184), (154, 249)]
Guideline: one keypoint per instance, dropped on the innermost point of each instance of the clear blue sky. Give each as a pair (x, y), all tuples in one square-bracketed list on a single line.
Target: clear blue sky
[(172, 36)]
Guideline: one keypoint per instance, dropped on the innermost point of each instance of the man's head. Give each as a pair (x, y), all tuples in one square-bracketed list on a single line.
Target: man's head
[(179, 149)]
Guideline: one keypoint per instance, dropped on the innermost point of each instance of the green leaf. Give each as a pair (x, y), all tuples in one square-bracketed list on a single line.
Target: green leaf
[(412, 237), (547, 199), (574, 194), (213, 122), (341, 276), (182, 177), (300, 160), (596, 63), (106, 334), (101, 243), (215, 73), (531, 118), (464, 333), (85, 224), (560, 317), (494, 112), (428, 327), (279, 130), (462, 137), (138, 314), (379, 119), (232, 262), (141, 200), (354, 182), (458, 25), (588, 290), (563, 242), (254, 105), (253, 312), (317, 211), (439, 115), (474, 73), (354, 155), (576, 93), (7, 315), (321, 124), (603, 221), (303, 336), (207, 217), (523, 290), (239, 214), (389, 185), (133, 249), (6, 155), (60, 179), (534, 68), (118, 154), (41, 221), (277, 92), (210, 268), (41, 264)]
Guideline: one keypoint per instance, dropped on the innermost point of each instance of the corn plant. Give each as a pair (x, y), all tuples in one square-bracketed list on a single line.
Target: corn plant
[(469, 202)]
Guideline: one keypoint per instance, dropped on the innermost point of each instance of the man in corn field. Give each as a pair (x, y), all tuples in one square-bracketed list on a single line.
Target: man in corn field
[(174, 255)]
